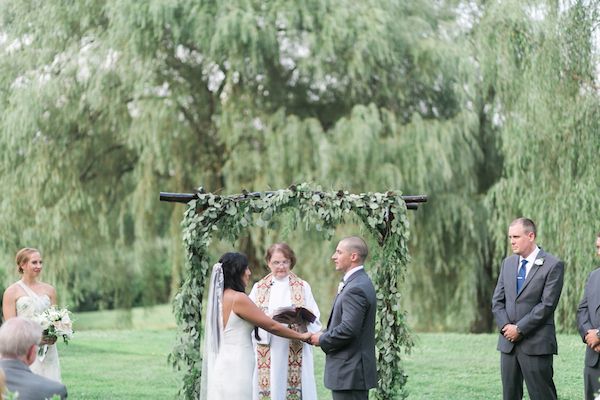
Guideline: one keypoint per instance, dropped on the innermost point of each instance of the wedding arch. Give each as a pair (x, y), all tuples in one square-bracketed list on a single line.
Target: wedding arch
[(225, 217)]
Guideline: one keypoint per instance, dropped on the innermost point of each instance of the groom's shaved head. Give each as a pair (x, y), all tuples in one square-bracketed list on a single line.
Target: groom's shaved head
[(355, 244)]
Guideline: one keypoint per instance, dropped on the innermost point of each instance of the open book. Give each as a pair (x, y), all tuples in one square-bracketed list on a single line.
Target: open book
[(294, 315)]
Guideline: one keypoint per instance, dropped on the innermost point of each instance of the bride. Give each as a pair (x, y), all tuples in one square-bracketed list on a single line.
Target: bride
[(228, 362), (28, 297)]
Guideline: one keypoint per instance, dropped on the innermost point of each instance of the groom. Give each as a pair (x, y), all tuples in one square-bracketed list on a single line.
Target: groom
[(349, 341), (527, 293)]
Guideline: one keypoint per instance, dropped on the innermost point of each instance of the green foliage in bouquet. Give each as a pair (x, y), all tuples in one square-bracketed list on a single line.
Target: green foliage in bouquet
[(227, 217)]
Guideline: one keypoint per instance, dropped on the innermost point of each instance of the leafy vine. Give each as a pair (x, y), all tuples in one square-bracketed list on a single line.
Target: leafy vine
[(226, 217)]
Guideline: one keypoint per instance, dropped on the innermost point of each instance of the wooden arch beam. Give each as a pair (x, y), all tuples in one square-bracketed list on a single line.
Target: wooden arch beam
[(412, 201)]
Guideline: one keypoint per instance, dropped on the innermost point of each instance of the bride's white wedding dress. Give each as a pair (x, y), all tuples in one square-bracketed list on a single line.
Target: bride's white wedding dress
[(47, 365), (231, 377)]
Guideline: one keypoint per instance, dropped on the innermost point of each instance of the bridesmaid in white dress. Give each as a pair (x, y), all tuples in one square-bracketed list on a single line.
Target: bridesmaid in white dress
[(28, 297), (228, 357)]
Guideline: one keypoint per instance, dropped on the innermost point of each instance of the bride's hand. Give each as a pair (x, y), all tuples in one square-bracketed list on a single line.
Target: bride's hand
[(306, 337), (48, 340)]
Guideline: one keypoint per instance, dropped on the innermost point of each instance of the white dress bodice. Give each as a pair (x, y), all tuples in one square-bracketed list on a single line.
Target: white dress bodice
[(28, 306), (234, 365)]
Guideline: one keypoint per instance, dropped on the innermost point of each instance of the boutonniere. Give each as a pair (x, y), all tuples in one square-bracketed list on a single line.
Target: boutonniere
[(539, 262), (341, 286)]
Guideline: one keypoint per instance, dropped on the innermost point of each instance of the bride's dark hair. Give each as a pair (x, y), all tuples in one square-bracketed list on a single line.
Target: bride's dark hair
[(234, 266)]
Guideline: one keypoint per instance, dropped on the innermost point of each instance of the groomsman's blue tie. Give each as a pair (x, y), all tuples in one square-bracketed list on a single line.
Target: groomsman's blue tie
[(521, 275)]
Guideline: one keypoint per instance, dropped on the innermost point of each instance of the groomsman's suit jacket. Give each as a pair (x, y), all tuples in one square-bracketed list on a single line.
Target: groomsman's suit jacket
[(349, 341), (588, 314), (30, 386), (532, 310)]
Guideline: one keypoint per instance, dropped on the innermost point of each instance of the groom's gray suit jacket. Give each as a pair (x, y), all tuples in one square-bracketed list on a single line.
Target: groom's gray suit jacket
[(532, 310), (588, 314), (30, 386), (349, 341)]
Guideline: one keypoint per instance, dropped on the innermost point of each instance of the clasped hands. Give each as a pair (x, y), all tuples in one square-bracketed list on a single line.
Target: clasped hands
[(592, 340), (300, 326), (311, 338), (510, 332), (315, 338)]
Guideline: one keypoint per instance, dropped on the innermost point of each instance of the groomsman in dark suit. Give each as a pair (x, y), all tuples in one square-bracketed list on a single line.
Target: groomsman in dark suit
[(588, 324), (349, 341), (523, 304), (19, 338)]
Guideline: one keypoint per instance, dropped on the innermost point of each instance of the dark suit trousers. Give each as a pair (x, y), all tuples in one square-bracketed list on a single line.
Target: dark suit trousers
[(591, 377), (536, 370), (350, 394)]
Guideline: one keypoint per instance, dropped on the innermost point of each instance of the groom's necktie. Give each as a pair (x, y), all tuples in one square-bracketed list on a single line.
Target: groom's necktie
[(521, 275)]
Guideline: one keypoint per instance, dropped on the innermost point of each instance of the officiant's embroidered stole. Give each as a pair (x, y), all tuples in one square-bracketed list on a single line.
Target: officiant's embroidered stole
[(263, 351)]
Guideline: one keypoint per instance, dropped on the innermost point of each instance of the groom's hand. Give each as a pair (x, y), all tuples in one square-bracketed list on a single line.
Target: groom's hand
[(315, 338), (306, 337)]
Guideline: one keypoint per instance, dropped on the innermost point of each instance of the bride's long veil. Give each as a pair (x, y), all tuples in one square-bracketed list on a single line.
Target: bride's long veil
[(213, 328)]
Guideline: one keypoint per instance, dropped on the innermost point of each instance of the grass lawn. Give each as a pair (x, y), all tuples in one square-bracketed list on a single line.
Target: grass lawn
[(103, 362), (124, 365), (121, 355), (460, 366)]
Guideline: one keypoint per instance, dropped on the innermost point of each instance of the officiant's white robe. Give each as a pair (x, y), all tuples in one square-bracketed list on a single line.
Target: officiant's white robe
[(281, 297)]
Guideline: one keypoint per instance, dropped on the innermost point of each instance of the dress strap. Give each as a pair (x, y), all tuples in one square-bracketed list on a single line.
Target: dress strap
[(40, 302), (28, 290)]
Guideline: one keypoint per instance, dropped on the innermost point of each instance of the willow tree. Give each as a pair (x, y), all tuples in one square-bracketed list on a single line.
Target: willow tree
[(78, 170), (118, 99), (105, 103), (542, 62), (520, 81)]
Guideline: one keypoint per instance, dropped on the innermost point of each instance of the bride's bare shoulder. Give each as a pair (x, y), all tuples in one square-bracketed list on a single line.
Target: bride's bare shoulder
[(235, 296)]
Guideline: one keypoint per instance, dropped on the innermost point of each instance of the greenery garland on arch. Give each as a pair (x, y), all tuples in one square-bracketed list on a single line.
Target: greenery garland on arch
[(226, 217)]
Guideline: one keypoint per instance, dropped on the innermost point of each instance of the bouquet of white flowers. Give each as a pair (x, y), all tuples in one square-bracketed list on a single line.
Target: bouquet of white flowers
[(55, 323)]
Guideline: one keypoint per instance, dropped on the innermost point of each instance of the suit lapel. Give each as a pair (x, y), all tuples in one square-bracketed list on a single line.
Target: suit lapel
[(593, 298), (512, 268), (332, 309), (532, 271), (348, 282)]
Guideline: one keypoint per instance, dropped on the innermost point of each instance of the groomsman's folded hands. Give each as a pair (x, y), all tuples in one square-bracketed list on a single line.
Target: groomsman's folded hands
[(591, 339)]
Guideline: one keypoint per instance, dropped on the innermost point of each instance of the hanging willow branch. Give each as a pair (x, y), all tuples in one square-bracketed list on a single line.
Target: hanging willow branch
[(226, 217)]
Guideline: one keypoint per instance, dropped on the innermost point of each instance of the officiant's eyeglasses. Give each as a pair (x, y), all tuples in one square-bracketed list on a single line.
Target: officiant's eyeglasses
[(282, 263)]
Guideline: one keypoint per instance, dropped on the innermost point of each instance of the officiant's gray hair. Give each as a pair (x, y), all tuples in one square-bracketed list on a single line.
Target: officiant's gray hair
[(17, 335), (285, 249), (357, 245)]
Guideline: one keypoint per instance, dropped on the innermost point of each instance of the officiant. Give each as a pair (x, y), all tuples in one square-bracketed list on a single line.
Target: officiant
[(284, 367)]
